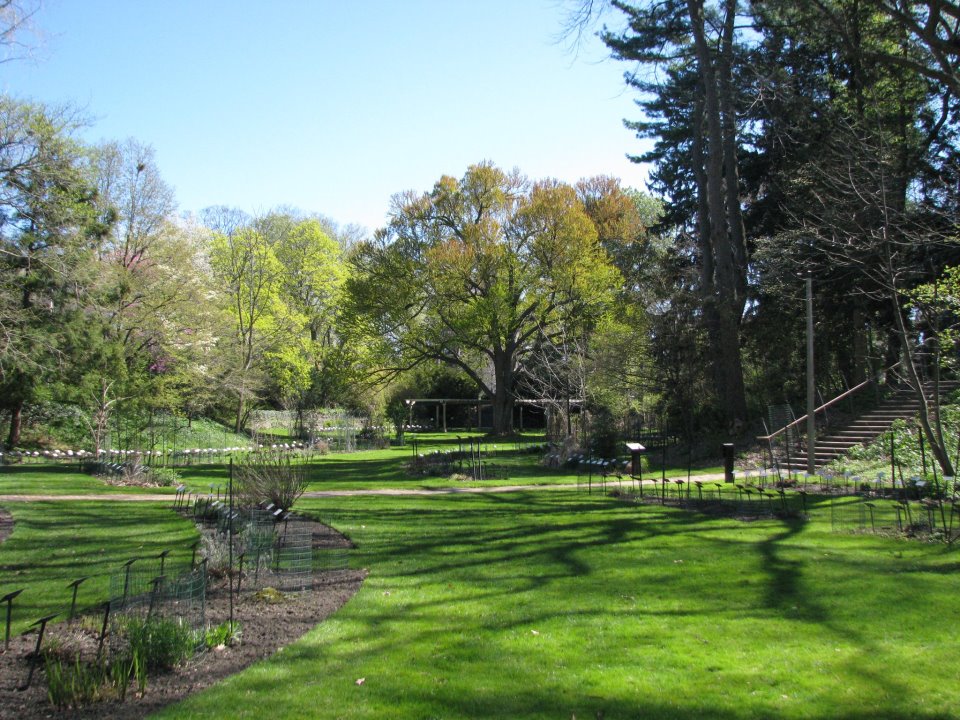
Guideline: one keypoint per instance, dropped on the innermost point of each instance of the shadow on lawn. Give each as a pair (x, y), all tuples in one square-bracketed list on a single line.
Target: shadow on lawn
[(44, 469), (785, 583), (435, 559)]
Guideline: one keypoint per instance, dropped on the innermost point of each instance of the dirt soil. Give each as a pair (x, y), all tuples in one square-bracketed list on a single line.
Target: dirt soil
[(266, 627)]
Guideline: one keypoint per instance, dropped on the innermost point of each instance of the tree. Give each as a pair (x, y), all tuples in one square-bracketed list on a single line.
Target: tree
[(475, 272), (48, 227), (314, 276), (697, 48), (251, 278), (755, 130), (131, 189), (856, 182), (15, 17)]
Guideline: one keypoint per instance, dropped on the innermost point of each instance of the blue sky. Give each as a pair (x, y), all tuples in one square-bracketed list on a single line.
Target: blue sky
[(331, 106)]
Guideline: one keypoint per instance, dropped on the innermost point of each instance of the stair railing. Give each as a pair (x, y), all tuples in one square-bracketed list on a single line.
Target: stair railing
[(800, 421)]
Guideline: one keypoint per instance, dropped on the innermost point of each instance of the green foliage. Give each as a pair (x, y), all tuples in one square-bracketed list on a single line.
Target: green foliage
[(164, 477), (73, 685), (269, 477), (471, 273), (269, 595), (938, 303), (225, 634), (159, 643)]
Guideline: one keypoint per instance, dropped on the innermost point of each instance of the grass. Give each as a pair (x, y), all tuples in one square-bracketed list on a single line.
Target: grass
[(387, 468), (50, 479), (55, 543), (559, 605)]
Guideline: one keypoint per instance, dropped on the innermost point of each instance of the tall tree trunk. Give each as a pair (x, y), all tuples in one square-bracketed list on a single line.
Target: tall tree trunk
[(16, 424), (503, 397), (723, 300), (860, 348), (238, 423)]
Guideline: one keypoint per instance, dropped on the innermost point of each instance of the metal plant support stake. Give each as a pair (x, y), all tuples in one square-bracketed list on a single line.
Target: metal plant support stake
[(8, 599), (126, 578), (42, 622), (73, 602)]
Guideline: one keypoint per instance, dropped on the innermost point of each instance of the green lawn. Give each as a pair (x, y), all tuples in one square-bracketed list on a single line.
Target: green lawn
[(507, 462), (555, 605), (388, 468), (55, 543), (51, 479)]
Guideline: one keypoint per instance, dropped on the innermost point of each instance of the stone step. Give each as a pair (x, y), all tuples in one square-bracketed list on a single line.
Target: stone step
[(902, 404)]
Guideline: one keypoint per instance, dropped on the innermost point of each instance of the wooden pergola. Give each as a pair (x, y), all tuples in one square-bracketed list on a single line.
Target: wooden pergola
[(479, 404)]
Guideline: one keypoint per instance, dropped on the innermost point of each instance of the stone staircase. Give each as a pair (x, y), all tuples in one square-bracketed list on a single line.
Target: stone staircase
[(901, 404)]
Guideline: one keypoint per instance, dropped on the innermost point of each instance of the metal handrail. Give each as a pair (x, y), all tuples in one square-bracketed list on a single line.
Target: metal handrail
[(827, 404)]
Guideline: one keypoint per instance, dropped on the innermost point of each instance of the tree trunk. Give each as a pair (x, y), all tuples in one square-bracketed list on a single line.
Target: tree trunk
[(16, 424), (238, 423), (860, 348), (723, 299), (503, 398), (934, 440)]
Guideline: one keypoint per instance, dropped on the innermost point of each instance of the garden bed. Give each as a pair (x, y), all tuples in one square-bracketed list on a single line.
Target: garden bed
[(266, 627)]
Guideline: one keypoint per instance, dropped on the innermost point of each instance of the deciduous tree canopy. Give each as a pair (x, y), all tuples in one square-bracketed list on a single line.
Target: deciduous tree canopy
[(477, 272)]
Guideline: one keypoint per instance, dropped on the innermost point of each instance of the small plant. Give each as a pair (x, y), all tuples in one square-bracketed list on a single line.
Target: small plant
[(159, 643), (270, 477), (72, 684), (216, 549), (225, 634), (164, 477), (269, 595)]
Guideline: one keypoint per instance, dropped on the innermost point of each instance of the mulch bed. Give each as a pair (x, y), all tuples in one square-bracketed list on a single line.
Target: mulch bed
[(266, 627)]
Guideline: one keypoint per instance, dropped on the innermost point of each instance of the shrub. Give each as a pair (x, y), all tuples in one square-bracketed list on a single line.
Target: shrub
[(269, 477), (216, 549), (165, 477), (270, 595)]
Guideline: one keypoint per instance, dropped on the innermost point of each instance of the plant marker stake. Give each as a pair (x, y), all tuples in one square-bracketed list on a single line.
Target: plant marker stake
[(126, 578), (154, 592), (42, 622), (73, 602), (8, 599), (163, 558), (103, 628)]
